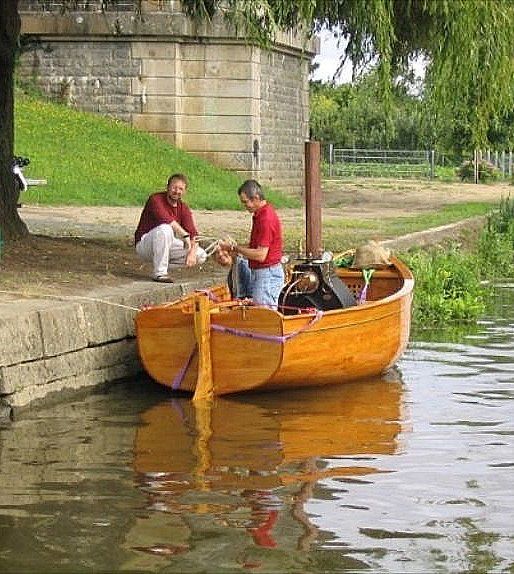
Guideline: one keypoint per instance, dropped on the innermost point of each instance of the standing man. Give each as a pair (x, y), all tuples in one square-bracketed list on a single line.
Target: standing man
[(259, 264), (166, 233)]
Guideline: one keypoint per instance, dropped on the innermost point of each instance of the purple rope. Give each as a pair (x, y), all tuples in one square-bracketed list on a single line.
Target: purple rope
[(366, 273), (363, 295), (262, 336), (177, 381), (209, 294)]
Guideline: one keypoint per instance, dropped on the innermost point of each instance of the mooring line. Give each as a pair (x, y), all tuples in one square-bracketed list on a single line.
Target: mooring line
[(70, 298)]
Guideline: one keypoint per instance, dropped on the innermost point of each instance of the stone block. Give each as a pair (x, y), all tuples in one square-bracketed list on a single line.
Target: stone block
[(155, 123), (22, 376), (221, 142), (158, 68), (20, 338), (105, 322), (217, 69), (155, 86), (219, 88), (198, 105), (111, 355), (159, 104), (67, 365), (63, 329), (217, 124), (154, 50)]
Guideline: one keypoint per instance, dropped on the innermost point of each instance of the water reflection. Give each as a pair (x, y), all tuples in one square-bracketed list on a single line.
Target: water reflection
[(239, 474)]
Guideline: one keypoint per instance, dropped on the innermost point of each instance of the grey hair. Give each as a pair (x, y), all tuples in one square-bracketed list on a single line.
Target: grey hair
[(251, 189)]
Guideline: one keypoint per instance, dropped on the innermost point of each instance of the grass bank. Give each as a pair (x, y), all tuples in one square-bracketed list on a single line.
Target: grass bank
[(89, 159)]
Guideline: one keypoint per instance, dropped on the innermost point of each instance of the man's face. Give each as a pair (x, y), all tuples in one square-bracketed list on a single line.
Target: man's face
[(175, 191), (251, 205)]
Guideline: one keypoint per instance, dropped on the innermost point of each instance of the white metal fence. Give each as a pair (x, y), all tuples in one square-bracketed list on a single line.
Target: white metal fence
[(379, 162), (502, 160)]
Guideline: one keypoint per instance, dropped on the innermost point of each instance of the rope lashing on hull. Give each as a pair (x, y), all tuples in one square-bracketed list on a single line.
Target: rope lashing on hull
[(212, 296), (263, 336), (177, 381)]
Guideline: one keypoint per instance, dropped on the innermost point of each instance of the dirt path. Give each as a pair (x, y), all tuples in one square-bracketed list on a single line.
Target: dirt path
[(77, 249), (366, 199)]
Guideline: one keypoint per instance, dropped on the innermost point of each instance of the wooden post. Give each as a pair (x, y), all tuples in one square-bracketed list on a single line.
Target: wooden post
[(312, 199), (204, 383)]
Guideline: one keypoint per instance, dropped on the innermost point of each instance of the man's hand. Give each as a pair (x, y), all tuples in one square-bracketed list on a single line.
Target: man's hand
[(191, 257)]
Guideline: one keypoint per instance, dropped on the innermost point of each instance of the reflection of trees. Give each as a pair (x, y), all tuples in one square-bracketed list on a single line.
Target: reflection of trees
[(236, 477), (65, 487)]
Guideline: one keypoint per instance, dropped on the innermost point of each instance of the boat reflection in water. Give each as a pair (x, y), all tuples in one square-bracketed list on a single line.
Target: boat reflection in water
[(229, 480)]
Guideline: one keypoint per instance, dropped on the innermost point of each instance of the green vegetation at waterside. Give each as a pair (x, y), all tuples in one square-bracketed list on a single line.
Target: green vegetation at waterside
[(88, 159), (452, 283)]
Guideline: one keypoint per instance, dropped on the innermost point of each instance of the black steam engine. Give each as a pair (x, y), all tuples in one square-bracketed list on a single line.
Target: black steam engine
[(314, 284)]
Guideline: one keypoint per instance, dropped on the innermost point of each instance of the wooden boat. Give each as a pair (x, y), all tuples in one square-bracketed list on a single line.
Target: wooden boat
[(209, 344)]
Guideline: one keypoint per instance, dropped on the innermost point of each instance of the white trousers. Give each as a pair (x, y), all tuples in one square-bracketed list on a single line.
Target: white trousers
[(163, 250)]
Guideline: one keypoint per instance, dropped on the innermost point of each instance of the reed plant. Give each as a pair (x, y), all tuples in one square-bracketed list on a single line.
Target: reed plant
[(496, 244)]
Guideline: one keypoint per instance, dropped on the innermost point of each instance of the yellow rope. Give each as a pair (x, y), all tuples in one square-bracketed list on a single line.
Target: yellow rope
[(68, 298)]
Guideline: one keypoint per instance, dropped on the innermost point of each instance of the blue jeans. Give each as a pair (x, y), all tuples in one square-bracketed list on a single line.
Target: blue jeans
[(262, 285)]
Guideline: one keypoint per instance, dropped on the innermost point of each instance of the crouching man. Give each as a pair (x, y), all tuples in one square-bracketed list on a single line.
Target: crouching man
[(166, 234)]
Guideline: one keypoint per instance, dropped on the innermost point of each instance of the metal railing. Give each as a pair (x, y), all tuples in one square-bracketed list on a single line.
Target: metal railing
[(379, 162), (502, 160)]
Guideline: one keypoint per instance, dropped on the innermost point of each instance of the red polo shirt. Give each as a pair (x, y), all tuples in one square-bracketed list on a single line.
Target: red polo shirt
[(158, 210), (266, 232)]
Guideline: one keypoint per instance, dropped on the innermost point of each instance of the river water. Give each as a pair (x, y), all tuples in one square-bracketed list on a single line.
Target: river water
[(411, 472)]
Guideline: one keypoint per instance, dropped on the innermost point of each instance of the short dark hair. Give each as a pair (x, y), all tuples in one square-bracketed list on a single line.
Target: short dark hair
[(251, 188), (179, 176)]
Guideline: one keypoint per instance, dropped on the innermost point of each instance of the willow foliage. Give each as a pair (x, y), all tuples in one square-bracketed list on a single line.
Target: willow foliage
[(468, 44)]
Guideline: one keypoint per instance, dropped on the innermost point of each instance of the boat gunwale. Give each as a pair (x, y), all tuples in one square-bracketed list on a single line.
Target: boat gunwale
[(403, 273)]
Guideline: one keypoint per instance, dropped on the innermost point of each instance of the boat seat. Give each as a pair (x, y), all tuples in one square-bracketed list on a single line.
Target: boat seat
[(354, 280)]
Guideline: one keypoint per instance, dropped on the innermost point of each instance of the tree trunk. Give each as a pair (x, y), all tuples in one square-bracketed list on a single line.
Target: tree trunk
[(11, 226)]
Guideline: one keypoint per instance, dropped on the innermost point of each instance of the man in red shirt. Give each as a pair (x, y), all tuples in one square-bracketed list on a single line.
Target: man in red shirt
[(260, 274), (166, 233)]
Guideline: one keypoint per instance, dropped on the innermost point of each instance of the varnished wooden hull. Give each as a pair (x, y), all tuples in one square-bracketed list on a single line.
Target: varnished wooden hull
[(258, 348)]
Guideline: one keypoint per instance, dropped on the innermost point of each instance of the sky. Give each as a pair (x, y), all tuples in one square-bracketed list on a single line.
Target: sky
[(328, 60), (330, 56)]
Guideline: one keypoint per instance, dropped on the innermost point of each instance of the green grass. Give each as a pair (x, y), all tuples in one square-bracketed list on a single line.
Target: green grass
[(343, 233), (446, 215), (89, 159)]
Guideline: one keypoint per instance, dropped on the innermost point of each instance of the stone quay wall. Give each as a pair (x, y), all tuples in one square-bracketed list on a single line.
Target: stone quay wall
[(48, 346), (202, 88)]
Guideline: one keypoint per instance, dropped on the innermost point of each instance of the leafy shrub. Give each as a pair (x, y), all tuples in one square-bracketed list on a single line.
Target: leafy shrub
[(448, 287), (486, 171)]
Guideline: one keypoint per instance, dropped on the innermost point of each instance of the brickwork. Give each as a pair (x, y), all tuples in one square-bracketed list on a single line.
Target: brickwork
[(233, 104)]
